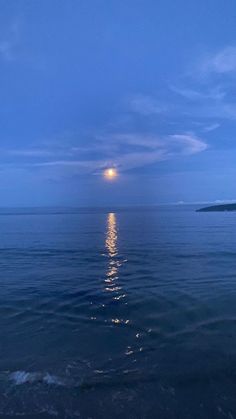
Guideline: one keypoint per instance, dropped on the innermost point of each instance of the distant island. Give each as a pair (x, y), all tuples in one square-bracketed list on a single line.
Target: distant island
[(223, 207)]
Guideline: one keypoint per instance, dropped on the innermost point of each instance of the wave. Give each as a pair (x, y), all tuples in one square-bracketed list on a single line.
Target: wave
[(24, 377)]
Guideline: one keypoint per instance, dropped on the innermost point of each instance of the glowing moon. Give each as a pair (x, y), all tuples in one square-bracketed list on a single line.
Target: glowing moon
[(110, 173)]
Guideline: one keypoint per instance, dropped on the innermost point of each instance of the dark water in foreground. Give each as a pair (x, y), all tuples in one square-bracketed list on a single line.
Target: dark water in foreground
[(123, 314)]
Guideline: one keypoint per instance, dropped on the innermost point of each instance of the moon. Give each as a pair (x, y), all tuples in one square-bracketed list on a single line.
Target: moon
[(110, 173)]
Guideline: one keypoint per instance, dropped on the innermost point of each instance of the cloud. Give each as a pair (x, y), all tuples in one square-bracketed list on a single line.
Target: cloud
[(132, 148), (124, 151), (211, 127), (210, 110), (6, 48), (223, 62), (30, 152), (208, 90), (214, 94), (9, 42), (145, 105), (154, 149), (189, 143)]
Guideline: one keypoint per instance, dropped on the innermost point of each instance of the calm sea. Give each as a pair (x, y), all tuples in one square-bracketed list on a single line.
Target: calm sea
[(117, 313)]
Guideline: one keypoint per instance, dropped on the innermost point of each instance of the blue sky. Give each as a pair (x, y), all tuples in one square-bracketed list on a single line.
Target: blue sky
[(144, 86)]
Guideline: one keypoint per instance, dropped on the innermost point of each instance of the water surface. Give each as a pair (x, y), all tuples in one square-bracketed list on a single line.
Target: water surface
[(122, 313)]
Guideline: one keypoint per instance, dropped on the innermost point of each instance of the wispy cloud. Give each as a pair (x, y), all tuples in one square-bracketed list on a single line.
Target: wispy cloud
[(9, 41), (207, 91), (188, 143), (211, 127), (216, 93), (212, 110), (146, 105), (222, 62), (125, 151), (6, 50), (29, 152)]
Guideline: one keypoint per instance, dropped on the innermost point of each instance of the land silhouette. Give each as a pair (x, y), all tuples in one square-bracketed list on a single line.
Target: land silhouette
[(222, 207)]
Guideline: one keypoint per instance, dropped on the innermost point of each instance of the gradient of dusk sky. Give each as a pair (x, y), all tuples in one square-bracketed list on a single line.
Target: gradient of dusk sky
[(146, 86)]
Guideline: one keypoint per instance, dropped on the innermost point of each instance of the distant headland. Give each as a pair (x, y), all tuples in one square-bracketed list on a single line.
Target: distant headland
[(222, 207)]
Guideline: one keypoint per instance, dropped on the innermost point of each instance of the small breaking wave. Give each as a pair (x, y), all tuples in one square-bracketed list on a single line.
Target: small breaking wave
[(24, 377)]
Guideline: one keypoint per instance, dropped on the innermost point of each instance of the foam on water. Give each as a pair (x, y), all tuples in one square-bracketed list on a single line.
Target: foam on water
[(24, 377)]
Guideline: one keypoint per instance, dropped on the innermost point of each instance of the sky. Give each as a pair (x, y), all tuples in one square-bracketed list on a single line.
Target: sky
[(144, 86)]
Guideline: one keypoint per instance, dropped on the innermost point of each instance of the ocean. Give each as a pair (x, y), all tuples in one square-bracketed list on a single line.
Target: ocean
[(117, 313)]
